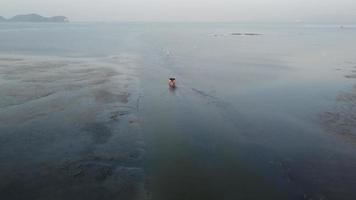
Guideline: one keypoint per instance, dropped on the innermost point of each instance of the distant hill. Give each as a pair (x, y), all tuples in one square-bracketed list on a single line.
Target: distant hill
[(35, 18)]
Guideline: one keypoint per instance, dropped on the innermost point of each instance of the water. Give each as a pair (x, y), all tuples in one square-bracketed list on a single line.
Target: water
[(86, 112)]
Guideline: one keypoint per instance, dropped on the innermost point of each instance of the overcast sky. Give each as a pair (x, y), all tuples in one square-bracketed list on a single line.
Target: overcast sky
[(187, 10)]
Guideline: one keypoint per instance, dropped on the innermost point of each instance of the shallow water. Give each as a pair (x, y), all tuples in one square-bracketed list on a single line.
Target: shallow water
[(86, 112)]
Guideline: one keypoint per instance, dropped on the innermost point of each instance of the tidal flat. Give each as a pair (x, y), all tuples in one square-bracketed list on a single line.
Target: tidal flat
[(65, 131), (265, 113)]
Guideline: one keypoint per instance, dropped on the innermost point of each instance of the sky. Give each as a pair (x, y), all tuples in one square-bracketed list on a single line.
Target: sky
[(188, 10)]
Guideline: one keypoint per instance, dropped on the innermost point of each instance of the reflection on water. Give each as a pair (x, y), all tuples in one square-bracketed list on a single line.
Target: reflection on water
[(172, 90)]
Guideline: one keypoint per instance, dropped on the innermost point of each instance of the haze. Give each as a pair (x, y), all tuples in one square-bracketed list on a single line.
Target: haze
[(188, 10)]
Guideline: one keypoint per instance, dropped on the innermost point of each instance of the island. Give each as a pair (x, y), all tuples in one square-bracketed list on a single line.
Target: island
[(35, 18)]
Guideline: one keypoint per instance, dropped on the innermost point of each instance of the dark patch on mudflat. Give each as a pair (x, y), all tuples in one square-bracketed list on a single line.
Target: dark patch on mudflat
[(246, 34), (105, 96), (100, 133), (117, 114), (11, 59), (75, 180), (90, 171), (342, 119), (351, 76)]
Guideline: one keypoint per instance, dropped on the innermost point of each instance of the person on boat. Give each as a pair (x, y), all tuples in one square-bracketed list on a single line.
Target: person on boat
[(172, 82)]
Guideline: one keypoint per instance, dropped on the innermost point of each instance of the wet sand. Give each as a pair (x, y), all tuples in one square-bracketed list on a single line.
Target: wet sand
[(66, 130), (341, 120)]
